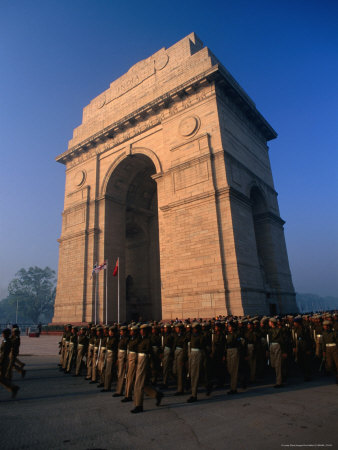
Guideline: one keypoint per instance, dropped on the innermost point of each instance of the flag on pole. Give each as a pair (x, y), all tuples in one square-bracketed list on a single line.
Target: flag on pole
[(102, 266), (116, 268), (98, 267), (94, 270)]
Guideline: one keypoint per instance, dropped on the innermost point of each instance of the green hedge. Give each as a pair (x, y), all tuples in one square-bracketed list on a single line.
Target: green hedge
[(53, 328)]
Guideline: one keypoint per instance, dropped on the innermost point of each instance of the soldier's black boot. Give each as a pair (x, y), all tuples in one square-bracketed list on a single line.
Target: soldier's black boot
[(137, 409), (117, 395), (192, 399), (159, 397), (232, 392), (126, 399), (14, 391), (100, 385)]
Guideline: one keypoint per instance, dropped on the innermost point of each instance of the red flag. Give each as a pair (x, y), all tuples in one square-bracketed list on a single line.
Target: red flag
[(116, 268)]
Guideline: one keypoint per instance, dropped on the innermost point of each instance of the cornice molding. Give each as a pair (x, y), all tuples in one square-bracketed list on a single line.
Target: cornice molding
[(151, 109), (111, 135), (77, 234)]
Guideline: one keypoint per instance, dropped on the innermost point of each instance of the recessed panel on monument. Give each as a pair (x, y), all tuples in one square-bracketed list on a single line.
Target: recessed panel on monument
[(169, 174)]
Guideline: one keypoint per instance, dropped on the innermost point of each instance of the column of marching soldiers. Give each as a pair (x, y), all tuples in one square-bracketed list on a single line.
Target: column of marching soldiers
[(9, 361), (136, 357)]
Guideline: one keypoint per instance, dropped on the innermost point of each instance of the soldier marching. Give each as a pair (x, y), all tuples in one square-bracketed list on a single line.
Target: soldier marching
[(140, 358)]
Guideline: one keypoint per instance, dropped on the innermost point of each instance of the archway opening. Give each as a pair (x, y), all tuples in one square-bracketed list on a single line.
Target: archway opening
[(264, 245), (131, 233)]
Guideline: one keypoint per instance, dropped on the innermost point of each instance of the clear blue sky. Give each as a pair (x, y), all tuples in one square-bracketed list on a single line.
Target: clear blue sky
[(56, 55)]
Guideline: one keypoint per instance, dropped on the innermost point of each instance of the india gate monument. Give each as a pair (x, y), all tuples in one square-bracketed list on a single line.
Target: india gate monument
[(169, 171)]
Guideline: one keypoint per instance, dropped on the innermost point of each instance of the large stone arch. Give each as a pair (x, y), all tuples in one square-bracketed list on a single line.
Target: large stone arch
[(133, 151), (131, 234)]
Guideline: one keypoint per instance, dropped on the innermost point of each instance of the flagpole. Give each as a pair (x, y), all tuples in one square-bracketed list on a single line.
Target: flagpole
[(95, 294), (107, 292), (118, 290)]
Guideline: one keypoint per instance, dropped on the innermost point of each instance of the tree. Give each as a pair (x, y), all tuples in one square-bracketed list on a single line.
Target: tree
[(34, 289)]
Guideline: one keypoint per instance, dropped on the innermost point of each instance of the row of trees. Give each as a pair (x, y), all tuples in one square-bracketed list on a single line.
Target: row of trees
[(31, 296)]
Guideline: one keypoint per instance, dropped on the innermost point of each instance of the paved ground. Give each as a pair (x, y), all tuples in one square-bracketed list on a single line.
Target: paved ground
[(56, 411)]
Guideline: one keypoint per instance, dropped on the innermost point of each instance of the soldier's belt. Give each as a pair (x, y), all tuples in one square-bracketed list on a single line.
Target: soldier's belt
[(95, 347), (122, 351), (103, 348), (80, 345), (195, 349), (142, 354), (331, 345), (132, 353), (178, 348), (110, 351), (155, 348), (273, 344), (251, 346), (167, 348)]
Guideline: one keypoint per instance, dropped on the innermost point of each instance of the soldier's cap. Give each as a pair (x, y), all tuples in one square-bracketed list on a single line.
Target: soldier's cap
[(99, 329), (298, 319), (167, 325), (145, 325), (134, 328), (195, 324), (326, 322), (106, 327), (93, 329), (179, 325), (68, 325), (6, 332), (90, 325), (112, 328), (273, 320), (255, 321), (83, 328), (124, 327), (75, 328)]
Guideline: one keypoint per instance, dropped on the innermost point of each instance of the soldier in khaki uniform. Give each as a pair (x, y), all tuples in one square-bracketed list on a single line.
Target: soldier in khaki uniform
[(167, 353), (144, 350), (303, 348), (82, 346), (14, 362), (132, 362), (155, 360), (66, 346), (90, 353), (233, 348), (251, 338), (121, 360), (197, 346), (62, 345), (72, 350), (330, 345), (111, 348), (96, 354), (5, 361), (276, 350), (180, 357), (101, 365), (218, 353)]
